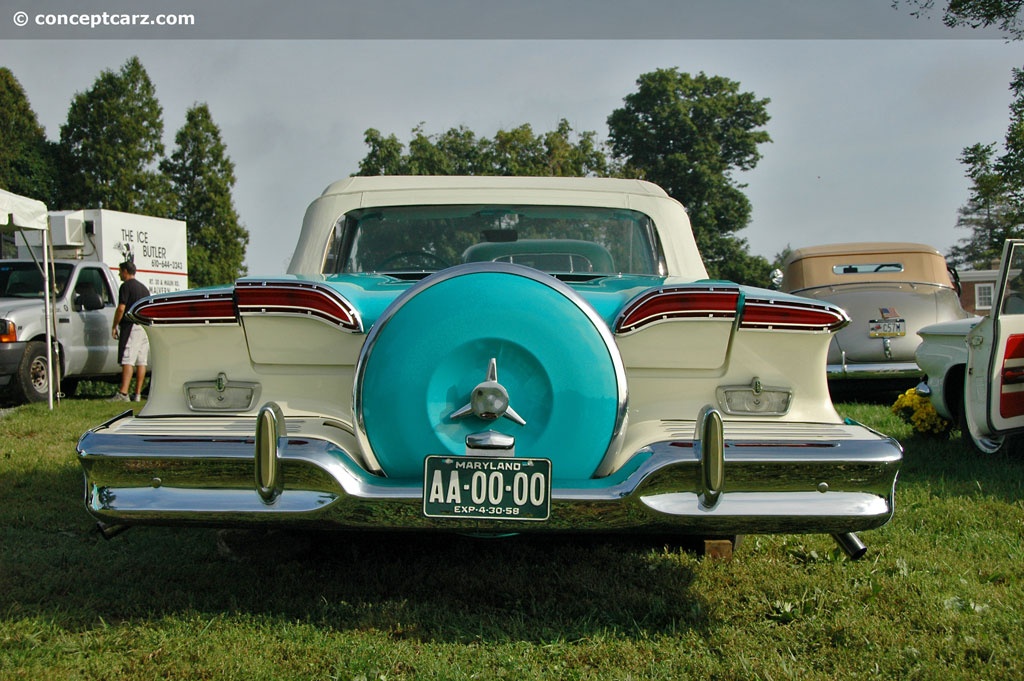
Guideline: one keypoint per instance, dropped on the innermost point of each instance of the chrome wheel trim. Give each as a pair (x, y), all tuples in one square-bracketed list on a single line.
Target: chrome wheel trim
[(987, 444), (37, 373)]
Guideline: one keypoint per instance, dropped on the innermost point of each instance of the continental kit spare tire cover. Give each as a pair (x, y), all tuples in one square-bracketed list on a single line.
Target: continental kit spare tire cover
[(554, 358)]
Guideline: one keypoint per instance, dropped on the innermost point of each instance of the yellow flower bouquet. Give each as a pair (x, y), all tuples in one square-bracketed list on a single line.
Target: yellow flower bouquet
[(919, 412)]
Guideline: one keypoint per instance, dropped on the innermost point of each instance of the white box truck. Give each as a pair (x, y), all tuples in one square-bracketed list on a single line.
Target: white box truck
[(157, 246)]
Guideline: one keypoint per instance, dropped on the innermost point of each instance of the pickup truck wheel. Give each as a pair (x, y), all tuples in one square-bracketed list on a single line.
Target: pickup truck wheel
[(985, 444), (32, 380)]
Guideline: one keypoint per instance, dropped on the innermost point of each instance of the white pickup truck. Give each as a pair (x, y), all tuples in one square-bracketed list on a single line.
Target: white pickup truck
[(85, 300)]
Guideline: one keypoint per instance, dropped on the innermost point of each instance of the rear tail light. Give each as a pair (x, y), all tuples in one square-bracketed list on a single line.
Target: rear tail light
[(728, 302), (191, 308), (771, 313), (224, 306), (296, 298), (678, 303)]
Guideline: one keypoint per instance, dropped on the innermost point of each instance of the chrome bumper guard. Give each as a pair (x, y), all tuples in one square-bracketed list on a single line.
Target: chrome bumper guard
[(704, 485)]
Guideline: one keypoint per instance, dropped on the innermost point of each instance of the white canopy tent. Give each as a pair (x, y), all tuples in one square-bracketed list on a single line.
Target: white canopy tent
[(18, 214)]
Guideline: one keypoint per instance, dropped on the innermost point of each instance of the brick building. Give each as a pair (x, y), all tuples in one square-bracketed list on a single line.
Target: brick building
[(979, 290)]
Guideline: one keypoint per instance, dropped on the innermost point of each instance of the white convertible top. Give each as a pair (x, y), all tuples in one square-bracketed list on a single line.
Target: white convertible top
[(681, 255), (378, 183)]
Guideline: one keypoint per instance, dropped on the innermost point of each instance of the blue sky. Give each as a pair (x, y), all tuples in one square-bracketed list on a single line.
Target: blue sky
[(868, 114)]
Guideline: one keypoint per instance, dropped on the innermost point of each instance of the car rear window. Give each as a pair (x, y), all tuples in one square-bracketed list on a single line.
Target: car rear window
[(561, 240), (867, 268)]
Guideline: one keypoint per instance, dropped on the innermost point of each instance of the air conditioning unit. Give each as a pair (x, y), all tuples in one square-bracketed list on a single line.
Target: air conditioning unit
[(67, 229)]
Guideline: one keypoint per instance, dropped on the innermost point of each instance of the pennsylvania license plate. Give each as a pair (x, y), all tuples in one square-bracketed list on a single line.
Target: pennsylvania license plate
[(484, 487), (887, 328)]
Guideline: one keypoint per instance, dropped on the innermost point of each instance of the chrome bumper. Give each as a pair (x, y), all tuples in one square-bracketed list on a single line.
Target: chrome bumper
[(874, 370), (708, 484)]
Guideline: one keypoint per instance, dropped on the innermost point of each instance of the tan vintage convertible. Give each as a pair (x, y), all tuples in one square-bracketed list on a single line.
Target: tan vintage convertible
[(492, 355), (890, 290)]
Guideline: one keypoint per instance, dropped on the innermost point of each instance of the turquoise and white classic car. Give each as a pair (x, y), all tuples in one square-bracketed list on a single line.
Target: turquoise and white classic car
[(492, 355)]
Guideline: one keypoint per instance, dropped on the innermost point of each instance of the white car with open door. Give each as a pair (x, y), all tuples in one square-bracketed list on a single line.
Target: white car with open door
[(975, 367)]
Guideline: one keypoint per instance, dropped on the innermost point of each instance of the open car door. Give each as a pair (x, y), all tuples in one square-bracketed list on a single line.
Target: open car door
[(994, 390)]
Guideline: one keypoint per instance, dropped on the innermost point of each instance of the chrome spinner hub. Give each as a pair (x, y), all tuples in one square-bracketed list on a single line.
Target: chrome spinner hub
[(489, 400)]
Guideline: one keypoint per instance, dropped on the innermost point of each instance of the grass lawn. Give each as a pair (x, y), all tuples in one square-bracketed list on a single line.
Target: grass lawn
[(939, 595)]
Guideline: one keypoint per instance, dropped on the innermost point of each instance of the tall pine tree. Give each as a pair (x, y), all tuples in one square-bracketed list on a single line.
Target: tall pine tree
[(988, 212), (112, 143), (202, 177), (995, 206)]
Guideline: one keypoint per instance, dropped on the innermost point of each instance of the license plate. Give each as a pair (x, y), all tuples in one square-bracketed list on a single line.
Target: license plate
[(887, 328), (484, 487)]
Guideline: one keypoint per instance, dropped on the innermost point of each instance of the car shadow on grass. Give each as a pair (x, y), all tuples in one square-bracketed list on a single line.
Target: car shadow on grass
[(456, 588), (949, 466), (429, 587)]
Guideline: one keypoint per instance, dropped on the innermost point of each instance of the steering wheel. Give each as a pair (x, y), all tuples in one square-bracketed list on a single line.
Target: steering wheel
[(423, 260)]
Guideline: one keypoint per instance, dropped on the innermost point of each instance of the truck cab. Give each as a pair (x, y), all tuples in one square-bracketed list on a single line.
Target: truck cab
[(85, 297)]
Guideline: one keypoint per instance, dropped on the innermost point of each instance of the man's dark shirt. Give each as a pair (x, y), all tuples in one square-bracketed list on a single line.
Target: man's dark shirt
[(131, 292)]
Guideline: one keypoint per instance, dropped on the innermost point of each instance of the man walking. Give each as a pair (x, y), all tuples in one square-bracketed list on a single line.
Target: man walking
[(132, 342)]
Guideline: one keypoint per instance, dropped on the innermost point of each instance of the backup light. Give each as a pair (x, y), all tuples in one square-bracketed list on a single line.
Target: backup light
[(754, 399), (221, 395)]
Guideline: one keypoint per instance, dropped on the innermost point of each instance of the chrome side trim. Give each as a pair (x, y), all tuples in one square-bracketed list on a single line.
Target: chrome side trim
[(206, 425), (741, 433)]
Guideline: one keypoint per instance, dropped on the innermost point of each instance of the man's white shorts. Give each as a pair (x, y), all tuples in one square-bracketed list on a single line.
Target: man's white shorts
[(136, 351)]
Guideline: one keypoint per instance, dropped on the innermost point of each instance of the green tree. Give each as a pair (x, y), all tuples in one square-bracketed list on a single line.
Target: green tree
[(112, 144), (459, 151), (689, 134), (995, 206), (27, 162), (1003, 14), (455, 152), (202, 177), (582, 158), (1011, 164), (988, 214), (385, 156)]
